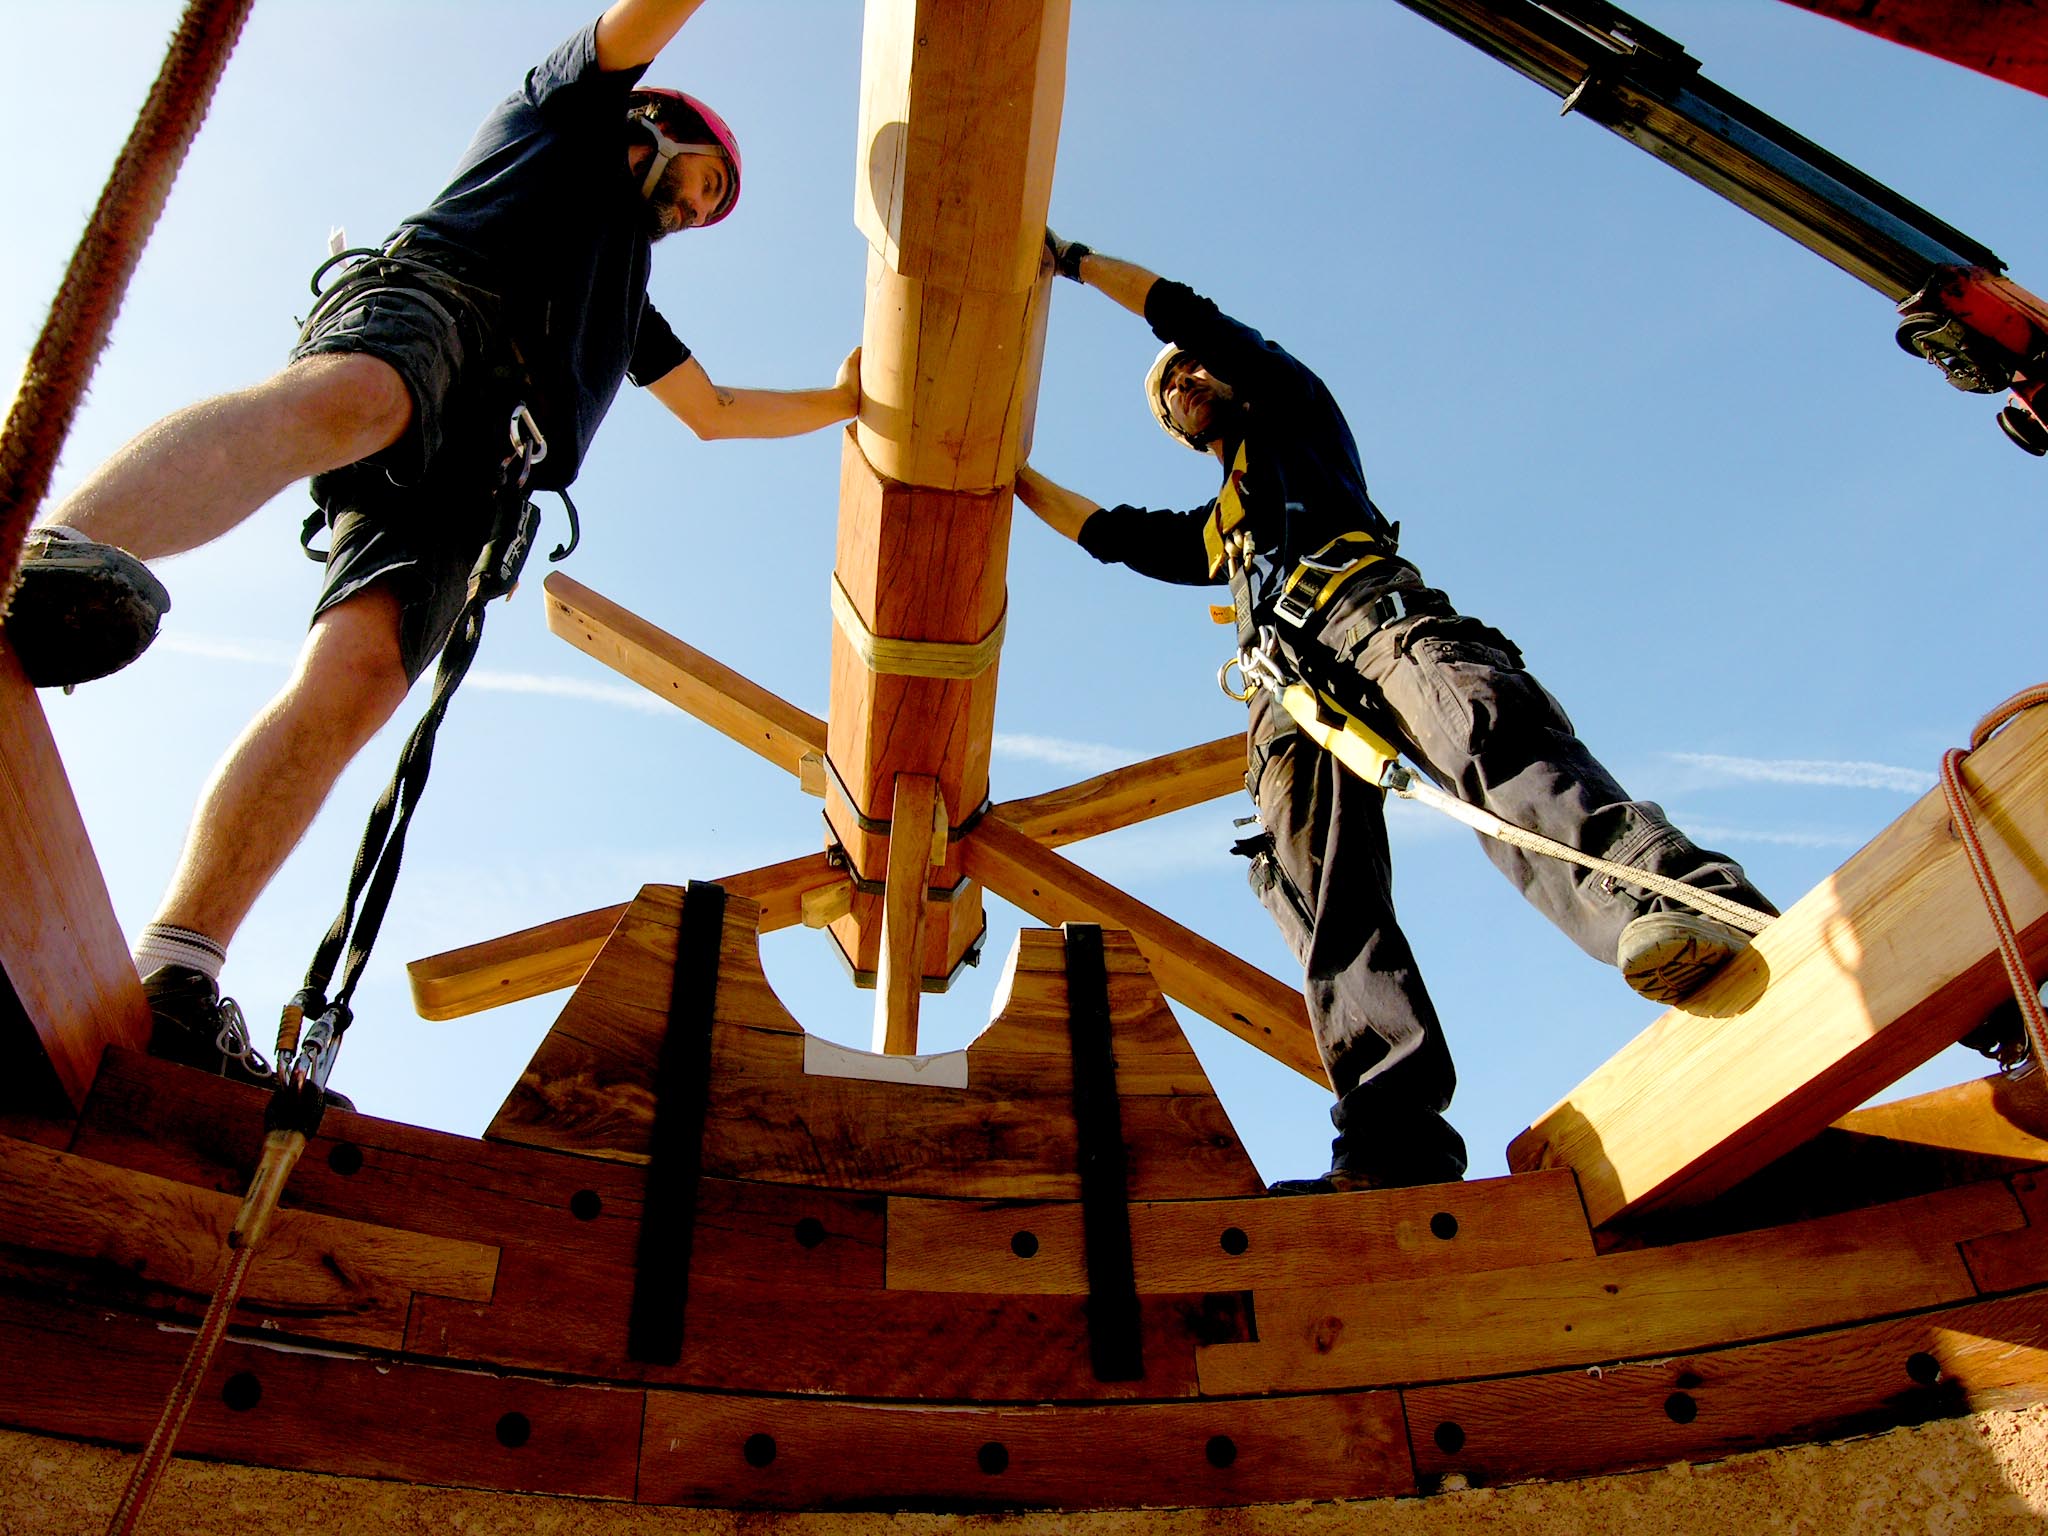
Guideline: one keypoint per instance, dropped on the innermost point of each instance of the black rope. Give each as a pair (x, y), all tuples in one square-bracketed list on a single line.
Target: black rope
[(375, 873)]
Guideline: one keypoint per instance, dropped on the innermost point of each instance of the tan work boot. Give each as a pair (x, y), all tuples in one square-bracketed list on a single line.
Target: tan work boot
[(1668, 956)]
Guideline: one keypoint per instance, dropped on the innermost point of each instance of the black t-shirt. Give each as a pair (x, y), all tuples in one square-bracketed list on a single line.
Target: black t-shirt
[(1303, 484), (543, 210)]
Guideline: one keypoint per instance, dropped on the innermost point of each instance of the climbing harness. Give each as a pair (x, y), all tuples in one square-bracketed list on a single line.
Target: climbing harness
[(310, 1030), (1953, 790)]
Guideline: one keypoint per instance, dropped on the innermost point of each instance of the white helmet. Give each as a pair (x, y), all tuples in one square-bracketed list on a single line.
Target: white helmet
[(1155, 391)]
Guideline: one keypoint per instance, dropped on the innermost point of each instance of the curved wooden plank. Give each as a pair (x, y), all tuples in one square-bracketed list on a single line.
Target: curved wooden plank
[(1260, 1243), (1650, 1301)]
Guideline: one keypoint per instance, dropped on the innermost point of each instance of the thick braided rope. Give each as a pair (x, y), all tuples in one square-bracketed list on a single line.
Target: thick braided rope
[(2010, 955), (82, 314), (281, 1151), (1733, 913)]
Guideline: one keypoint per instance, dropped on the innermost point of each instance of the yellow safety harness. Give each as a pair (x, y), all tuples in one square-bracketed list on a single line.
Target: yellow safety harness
[(1356, 745)]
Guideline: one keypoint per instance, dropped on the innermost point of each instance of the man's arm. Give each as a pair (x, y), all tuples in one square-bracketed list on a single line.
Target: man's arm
[(713, 410), (1060, 509), (632, 32), (1123, 282)]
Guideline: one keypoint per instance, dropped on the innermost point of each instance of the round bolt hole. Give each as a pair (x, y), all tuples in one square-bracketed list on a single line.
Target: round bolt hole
[(1450, 1438), (1681, 1408), (993, 1458), (241, 1392), (345, 1158), (514, 1430), (759, 1450), (1234, 1241), (585, 1204), (810, 1232), (1024, 1244), (1444, 1225), (1221, 1450), (1923, 1368)]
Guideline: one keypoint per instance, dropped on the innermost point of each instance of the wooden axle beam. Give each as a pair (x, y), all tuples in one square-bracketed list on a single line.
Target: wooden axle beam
[(553, 955), (1137, 792), (692, 681)]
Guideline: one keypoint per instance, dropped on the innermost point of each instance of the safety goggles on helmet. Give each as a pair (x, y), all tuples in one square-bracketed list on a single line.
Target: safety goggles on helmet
[(704, 133), (1156, 377)]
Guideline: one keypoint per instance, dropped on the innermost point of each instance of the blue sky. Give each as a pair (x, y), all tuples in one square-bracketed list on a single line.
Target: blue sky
[(1772, 566)]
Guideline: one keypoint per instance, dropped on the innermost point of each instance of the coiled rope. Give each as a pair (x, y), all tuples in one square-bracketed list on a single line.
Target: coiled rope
[(2010, 955)]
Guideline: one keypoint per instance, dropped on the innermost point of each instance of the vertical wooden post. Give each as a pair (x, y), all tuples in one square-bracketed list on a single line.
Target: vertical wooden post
[(915, 832)]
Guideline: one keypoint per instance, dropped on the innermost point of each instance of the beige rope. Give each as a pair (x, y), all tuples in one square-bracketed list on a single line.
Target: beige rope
[(915, 658), (1733, 913)]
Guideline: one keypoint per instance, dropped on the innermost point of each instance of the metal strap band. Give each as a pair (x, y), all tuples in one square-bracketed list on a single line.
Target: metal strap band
[(915, 658), (675, 1153), (1116, 1335)]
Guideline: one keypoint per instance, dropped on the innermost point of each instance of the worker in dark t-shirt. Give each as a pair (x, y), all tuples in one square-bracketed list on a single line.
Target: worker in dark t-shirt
[(523, 284), (1315, 577)]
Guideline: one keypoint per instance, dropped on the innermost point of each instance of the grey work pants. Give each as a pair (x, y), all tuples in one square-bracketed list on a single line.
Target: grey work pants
[(1453, 694)]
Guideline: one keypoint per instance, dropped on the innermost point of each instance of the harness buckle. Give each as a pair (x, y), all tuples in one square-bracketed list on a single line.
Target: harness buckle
[(1322, 575)]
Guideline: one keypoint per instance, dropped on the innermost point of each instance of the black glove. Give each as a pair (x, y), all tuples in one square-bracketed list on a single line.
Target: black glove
[(1066, 255)]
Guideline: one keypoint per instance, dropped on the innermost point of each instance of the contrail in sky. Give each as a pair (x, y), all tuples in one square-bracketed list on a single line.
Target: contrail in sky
[(1062, 753), (618, 695), (1813, 771)]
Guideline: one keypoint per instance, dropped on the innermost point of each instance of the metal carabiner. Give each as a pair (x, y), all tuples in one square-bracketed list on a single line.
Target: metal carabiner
[(1223, 676), (527, 441)]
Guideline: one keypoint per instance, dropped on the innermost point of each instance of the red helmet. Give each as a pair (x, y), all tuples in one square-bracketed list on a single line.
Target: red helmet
[(703, 132)]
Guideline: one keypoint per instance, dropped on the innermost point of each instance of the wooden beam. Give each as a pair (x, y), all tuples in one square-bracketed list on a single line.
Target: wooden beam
[(918, 809), (1998, 1116), (61, 949), (1885, 964), (684, 675), (553, 955), (1222, 988), (960, 109), (1137, 792)]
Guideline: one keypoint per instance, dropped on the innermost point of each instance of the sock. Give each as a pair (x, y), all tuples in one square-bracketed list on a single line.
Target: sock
[(164, 944)]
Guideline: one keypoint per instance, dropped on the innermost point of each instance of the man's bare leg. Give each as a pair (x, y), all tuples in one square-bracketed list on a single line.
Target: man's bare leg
[(202, 470), (274, 779)]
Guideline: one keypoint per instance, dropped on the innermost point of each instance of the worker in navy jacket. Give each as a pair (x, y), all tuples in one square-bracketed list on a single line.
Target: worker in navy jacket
[(1318, 585)]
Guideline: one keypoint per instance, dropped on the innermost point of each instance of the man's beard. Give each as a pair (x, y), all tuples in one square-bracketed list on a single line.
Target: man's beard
[(662, 211)]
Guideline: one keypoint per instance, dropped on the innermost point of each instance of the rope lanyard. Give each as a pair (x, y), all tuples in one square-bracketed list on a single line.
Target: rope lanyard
[(1373, 758), (2010, 955), (374, 876), (1410, 787)]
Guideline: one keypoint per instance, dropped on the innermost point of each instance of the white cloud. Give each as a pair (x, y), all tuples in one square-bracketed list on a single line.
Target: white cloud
[(1061, 753), (1713, 835), (214, 648), (619, 695), (1811, 771)]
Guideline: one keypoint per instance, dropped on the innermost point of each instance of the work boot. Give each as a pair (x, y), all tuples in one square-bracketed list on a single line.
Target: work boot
[(1668, 956), (1424, 1150), (192, 1024), (81, 609)]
